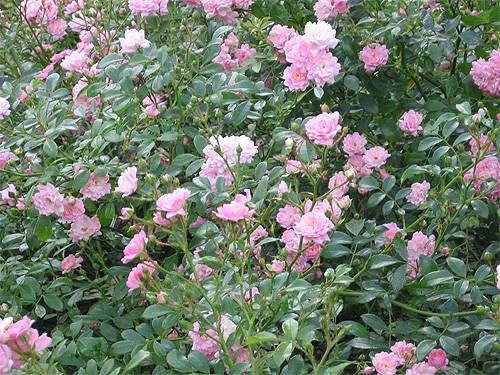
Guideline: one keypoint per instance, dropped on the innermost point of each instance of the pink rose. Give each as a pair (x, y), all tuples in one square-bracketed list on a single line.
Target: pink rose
[(85, 227), (405, 352), (173, 203), (73, 209), (135, 247), (385, 363), (422, 368), (410, 123), (420, 244), (19, 328), (4, 108), (323, 128), (375, 157), (374, 55), (314, 226), (48, 200), (70, 263), (419, 192), (133, 40), (278, 266), (6, 361), (4, 158), (233, 211), (437, 357), (96, 187), (127, 182)]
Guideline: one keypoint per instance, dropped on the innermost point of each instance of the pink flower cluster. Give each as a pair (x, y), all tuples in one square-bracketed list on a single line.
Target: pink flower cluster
[(231, 55), (141, 275), (45, 12), (225, 9), (323, 128), (18, 342), (410, 122), (309, 54), (404, 354), (49, 201), (207, 341), (148, 7), (486, 73), (4, 108), (361, 161), (419, 192), (374, 55), (325, 10), (420, 244), (70, 263), (224, 153)]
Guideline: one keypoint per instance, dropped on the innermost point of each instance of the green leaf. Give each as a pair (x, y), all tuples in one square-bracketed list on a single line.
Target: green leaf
[(438, 277), (483, 344), (241, 112), (424, 348), (200, 143), (239, 368), (399, 278), (184, 159), (450, 345), (95, 89), (51, 82), (122, 347), (480, 207), (179, 362), (199, 361), (390, 130), (81, 179), (260, 337), (260, 170), (368, 103), (155, 311), (354, 226), (336, 370), (136, 360), (381, 260), (351, 82), (369, 182), (283, 352), (464, 108), (307, 152), (53, 302), (388, 183), (470, 37), (318, 92), (43, 228), (290, 327), (375, 199), (428, 143), (261, 191), (473, 20), (109, 59), (374, 322), (457, 266), (50, 148)]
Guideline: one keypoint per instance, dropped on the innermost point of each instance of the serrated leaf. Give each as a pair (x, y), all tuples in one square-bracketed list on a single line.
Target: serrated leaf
[(381, 260), (424, 348), (241, 112), (369, 182), (457, 266), (155, 311), (450, 345), (482, 345), (199, 361), (480, 207), (179, 362), (53, 302)]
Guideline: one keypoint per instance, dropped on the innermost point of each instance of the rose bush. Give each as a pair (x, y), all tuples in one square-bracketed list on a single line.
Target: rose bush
[(212, 186)]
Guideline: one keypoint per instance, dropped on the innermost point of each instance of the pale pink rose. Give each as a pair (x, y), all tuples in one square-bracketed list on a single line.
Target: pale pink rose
[(76, 62), (73, 209), (422, 368), (314, 226), (323, 128), (320, 36), (279, 35), (48, 200), (70, 263), (244, 53), (127, 182), (419, 193), (374, 55), (173, 203), (19, 328), (7, 195), (96, 187), (298, 52), (354, 144), (288, 216), (437, 357), (233, 211), (405, 352), (4, 158), (339, 185), (277, 266), (144, 7), (4, 108), (375, 157), (410, 123), (126, 213), (202, 342), (420, 244), (341, 6), (323, 68), (141, 275), (57, 28), (162, 298), (202, 271), (6, 361), (486, 169), (385, 363), (133, 40), (84, 228), (392, 230), (325, 10), (485, 146), (368, 370), (295, 78), (135, 247), (283, 188)]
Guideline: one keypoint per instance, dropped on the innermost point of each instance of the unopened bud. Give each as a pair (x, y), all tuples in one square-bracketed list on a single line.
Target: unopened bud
[(324, 108), (487, 256), (295, 127)]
